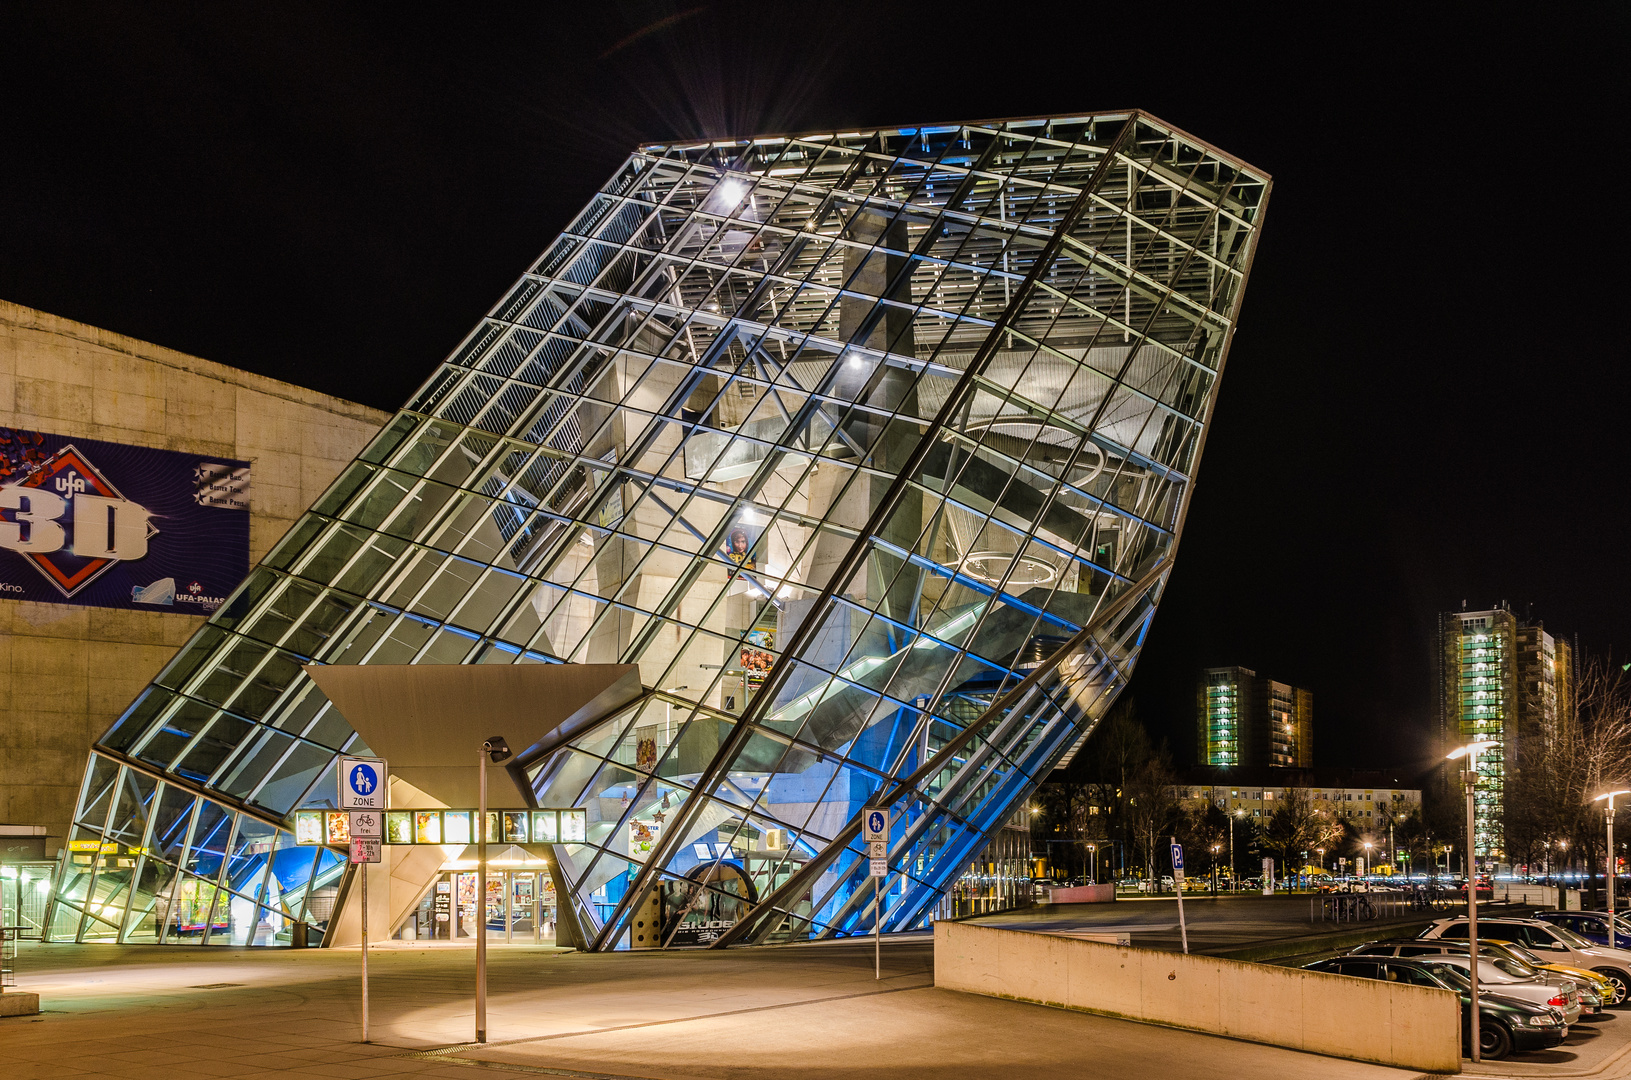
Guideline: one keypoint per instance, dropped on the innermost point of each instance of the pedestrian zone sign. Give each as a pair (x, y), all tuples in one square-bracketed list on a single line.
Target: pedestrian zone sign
[(363, 783), (875, 824)]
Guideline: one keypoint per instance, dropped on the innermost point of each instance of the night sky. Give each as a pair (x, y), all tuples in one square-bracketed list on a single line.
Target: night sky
[(1425, 402)]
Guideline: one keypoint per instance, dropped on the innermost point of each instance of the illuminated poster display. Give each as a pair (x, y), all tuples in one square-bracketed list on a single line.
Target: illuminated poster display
[(102, 524)]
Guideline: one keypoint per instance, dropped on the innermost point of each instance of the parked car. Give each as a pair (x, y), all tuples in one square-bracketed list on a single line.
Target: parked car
[(1504, 1024), (1505, 978), (1593, 988), (1591, 925), (1587, 978), (1545, 939)]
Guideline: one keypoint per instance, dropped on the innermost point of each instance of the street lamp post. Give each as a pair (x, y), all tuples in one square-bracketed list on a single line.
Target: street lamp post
[(497, 750), (1215, 850), (1093, 862), (1610, 797), (1470, 752), (1236, 814)]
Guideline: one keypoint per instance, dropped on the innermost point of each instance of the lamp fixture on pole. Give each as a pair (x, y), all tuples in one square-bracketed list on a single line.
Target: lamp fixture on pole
[(498, 751), (1470, 752), (1609, 795)]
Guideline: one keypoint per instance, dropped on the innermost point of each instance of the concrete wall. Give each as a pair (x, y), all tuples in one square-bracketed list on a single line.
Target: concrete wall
[(1413, 1027), (68, 378), (1082, 894)]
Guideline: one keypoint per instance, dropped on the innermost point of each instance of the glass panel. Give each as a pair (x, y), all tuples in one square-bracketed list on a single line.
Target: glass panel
[(834, 500)]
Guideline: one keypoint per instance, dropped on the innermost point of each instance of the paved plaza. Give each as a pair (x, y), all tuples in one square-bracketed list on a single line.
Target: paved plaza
[(800, 1013), (1238, 926)]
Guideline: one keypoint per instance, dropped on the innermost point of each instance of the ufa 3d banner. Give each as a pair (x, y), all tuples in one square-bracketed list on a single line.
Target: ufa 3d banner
[(102, 524)]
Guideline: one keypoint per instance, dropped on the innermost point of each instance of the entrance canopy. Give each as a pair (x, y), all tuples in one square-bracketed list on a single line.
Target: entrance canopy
[(429, 720)]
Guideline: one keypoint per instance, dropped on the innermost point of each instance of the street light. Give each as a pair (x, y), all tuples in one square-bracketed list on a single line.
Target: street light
[(1093, 861), (1236, 814), (1215, 850), (1470, 752), (1369, 869), (499, 751), (1610, 797)]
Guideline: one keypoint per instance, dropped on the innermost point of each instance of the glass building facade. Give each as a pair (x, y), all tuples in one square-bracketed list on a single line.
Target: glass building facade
[(870, 449)]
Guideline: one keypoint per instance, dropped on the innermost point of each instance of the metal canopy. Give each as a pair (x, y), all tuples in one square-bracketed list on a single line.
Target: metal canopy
[(429, 720)]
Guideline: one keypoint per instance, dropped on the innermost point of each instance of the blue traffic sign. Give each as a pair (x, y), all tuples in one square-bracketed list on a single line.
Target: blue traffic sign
[(1177, 856), (876, 821), (363, 779), (363, 783)]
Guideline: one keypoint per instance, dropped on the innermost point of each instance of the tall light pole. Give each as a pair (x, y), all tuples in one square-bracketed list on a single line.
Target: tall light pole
[(498, 750), (1236, 814), (1470, 752), (1610, 797)]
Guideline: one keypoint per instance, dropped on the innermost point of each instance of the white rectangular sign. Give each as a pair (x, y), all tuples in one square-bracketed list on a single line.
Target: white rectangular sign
[(364, 851), (878, 849), (367, 825), (880, 867), (363, 783), (875, 824)]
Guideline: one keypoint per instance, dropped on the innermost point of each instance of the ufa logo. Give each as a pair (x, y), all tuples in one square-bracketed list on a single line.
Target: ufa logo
[(70, 522)]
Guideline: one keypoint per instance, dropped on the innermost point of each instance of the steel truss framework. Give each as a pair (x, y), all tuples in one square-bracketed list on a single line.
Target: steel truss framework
[(870, 448)]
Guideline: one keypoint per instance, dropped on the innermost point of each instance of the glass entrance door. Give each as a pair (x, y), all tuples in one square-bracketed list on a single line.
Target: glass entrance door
[(520, 909), (523, 906)]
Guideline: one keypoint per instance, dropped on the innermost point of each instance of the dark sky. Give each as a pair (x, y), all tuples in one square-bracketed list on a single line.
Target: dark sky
[(1425, 402)]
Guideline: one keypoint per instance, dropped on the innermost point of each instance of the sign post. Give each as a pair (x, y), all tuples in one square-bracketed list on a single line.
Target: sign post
[(364, 784), (875, 829), (1178, 883)]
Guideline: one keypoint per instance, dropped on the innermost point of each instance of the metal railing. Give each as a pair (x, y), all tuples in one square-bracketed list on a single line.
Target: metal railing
[(9, 936), (1370, 905)]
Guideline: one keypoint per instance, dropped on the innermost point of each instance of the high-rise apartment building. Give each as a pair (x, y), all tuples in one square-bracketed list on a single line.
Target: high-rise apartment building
[(1247, 719), (1504, 680)]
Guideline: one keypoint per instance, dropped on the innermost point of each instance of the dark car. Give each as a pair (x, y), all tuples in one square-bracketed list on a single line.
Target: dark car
[(1504, 1024), (1591, 925)]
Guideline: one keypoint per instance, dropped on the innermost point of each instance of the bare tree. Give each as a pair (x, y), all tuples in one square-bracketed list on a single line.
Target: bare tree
[(1296, 827), (1561, 767)]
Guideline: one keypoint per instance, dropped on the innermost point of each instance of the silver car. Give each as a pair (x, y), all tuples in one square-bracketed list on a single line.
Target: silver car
[(1504, 977), (1503, 955), (1548, 942)]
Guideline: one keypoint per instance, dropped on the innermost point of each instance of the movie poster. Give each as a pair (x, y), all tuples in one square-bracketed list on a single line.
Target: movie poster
[(102, 524), (739, 548), (756, 657), (643, 834)]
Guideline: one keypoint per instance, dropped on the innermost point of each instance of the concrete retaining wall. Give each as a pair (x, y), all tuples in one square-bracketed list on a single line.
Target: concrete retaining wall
[(1082, 894), (1413, 1027)]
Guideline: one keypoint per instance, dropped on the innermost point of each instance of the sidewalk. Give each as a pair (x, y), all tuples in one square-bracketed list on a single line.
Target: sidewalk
[(760, 1014)]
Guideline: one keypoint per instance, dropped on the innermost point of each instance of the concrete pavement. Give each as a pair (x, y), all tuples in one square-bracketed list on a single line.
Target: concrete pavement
[(800, 1013), (1220, 926)]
